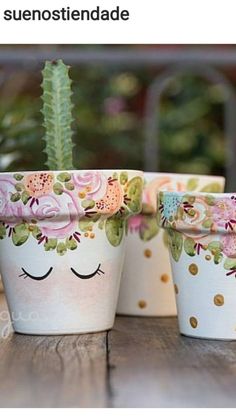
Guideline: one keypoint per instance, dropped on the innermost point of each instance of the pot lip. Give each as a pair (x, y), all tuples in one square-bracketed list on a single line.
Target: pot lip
[(184, 175), (72, 171), (199, 194)]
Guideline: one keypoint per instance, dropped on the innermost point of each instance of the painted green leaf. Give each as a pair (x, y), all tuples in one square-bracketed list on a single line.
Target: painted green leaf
[(20, 234), (123, 178), (134, 193), (18, 176), (210, 200), (175, 244), (215, 246), (57, 112), (218, 256), (69, 186), (114, 228), (165, 238), (64, 177), (35, 231), (61, 249), (15, 197), (19, 187), (207, 223), (71, 244), (192, 184), (88, 203), (189, 246), (149, 228), (213, 187), (101, 224), (230, 263), (50, 245), (3, 231), (25, 197), (58, 188)]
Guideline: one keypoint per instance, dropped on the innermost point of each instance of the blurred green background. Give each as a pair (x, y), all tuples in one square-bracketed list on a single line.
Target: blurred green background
[(109, 118)]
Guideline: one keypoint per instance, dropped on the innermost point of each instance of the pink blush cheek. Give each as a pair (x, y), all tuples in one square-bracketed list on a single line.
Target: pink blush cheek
[(88, 292), (29, 291)]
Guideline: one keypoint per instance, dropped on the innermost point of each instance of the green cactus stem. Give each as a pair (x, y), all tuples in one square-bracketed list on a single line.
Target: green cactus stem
[(57, 112)]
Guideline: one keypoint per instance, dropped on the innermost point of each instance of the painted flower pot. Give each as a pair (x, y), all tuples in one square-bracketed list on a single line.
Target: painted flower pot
[(146, 286), (62, 237), (202, 241)]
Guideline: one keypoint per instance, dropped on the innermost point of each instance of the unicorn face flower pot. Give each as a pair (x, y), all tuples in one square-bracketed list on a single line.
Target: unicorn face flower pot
[(62, 247), (146, 286), (202, 242)]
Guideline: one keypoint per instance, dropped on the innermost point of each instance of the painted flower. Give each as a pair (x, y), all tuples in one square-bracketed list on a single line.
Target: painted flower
[(170, 208), (157, 185), (134, 223), (10, 211), (91, 185), (229, 245), (39, 184), (57, 215), (224, 213), (194, 216)]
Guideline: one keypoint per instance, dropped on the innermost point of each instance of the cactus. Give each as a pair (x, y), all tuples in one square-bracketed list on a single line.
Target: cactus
[(57, 112)]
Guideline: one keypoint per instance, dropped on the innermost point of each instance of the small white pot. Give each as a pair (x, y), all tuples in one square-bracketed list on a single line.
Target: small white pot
[(146, 286), (202, 242), (62, 237)]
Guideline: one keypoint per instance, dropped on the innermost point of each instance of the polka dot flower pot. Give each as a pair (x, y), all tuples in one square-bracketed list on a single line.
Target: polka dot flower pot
[(62, 237), (202, 241), (146, 287)]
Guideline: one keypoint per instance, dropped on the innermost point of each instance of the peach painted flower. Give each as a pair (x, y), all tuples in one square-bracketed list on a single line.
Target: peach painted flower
[(157, 185), (194, 216), (39, 184)]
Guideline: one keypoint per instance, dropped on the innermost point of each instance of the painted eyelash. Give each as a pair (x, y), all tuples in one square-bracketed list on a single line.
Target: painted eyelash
[(98, 271), (25, 275)]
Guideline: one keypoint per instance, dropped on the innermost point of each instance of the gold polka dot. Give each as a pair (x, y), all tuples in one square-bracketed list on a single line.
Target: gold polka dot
[(165, 278), (219, 300), (147, 253), (193, 321), (208, 257), (86, 234), (142, 304), (193, 269), (176, 289), (82, 195), (92, 235)]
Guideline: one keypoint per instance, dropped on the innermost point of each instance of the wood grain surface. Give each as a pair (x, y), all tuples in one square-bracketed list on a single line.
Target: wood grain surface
[(142, 362)]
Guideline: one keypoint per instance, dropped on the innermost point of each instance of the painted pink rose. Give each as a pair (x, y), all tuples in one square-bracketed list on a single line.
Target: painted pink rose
[(57, 215), (93, 184), (229, 245), (224, 213), (10, 212)]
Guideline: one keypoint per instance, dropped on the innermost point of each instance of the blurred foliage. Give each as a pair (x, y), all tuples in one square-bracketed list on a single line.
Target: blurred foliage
[(109, 121)]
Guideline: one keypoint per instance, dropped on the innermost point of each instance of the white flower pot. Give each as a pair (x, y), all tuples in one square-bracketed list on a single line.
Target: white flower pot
[(62, 247), (146, 286), (202, 241)]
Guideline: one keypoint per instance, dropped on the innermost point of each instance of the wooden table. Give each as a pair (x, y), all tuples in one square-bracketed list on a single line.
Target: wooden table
[(142, 362)]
